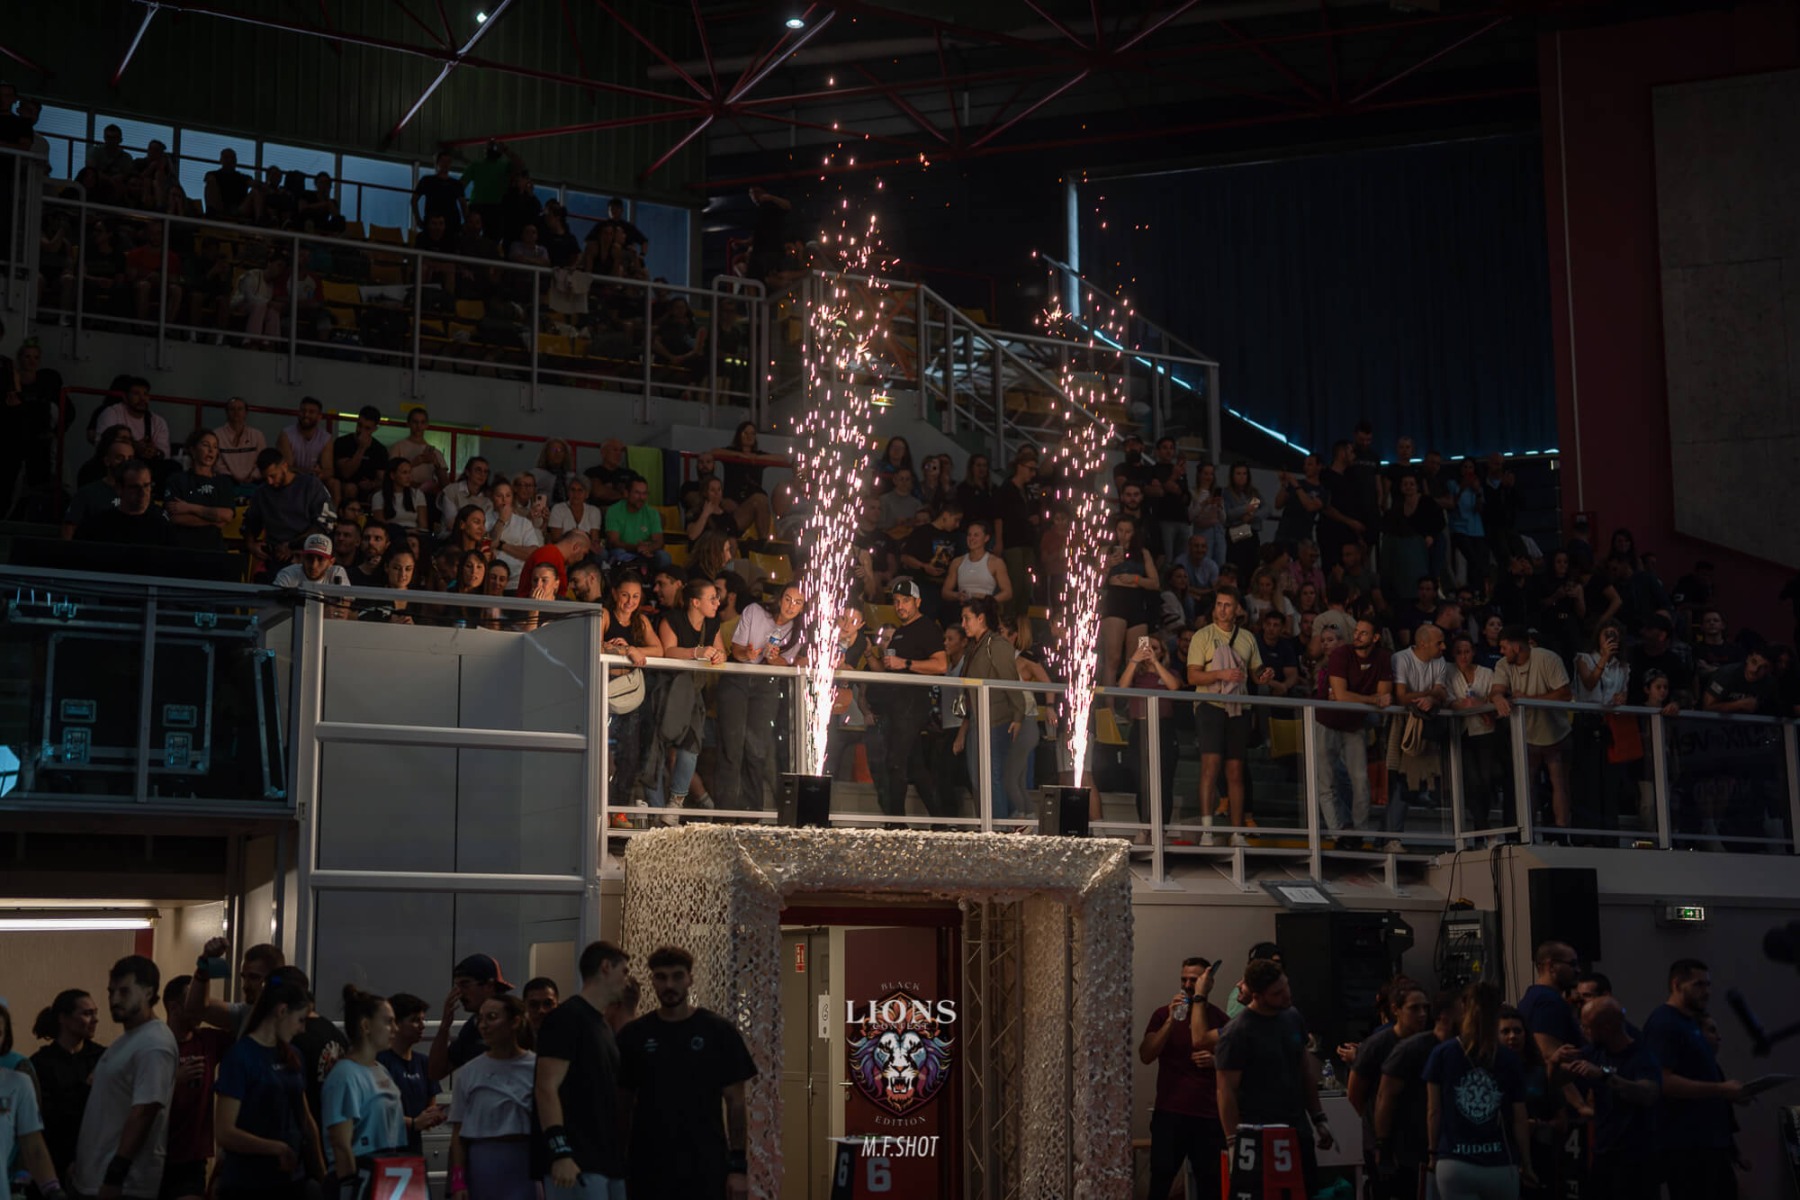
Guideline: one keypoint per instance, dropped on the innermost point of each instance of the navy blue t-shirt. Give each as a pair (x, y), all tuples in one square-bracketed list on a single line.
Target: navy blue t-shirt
[(1676, 1041), (270, 1088), (1546, 1012), (1475, 1103), (416, 1092), (1618, 1126)]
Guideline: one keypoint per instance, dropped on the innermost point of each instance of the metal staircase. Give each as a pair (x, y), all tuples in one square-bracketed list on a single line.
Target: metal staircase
[(991, 385)]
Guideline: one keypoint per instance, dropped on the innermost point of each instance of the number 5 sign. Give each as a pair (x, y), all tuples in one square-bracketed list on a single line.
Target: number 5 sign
[(1266, 1165), (398, 1179)]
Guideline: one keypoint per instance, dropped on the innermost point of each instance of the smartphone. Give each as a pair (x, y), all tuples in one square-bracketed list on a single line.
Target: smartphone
[(1144, 643)]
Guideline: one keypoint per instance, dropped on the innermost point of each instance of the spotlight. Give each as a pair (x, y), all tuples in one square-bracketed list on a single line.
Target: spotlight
[(480, 18), (795, 22)]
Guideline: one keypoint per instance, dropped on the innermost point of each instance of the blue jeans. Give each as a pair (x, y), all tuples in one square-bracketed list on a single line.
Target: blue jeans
[(589, 1186), (998, 742)]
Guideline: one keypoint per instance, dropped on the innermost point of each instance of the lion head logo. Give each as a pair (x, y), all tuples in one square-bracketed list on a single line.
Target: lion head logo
[(899, 1058)]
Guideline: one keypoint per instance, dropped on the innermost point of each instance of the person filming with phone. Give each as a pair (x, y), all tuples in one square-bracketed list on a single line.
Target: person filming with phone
[(1184, 1125)]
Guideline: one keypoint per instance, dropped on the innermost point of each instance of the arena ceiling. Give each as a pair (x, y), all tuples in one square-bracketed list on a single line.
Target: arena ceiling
[(790, 82)]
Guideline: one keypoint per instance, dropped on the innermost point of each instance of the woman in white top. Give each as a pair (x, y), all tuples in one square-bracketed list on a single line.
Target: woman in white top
[(1263, 597), (512, 532), (575, 512), (528, 500), (1601, 676), (470, 489), (1207, 512), (747, 707), (1483, 754), (360, 1105), (430, 471), (491, 1109), (978, 573), (399, 502)]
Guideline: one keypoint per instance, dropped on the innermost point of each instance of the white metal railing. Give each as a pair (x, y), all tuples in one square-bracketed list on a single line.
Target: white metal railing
[(1289, 807), (1169, 352), (384, 287)]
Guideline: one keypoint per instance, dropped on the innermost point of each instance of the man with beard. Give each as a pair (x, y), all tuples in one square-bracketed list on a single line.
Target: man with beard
[(1694, 1118), (676, 1066), (126, 1124)]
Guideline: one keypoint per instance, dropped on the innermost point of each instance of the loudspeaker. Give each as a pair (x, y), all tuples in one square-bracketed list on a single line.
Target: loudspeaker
[(804, 800), (1565, 907), (1063, 811), (1336, 961)]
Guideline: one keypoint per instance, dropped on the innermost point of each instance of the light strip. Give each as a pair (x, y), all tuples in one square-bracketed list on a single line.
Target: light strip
[(96, 924)]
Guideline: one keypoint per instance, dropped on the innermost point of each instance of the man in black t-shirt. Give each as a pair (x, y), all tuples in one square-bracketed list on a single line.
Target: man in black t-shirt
[(929, 549), (131, 520), (577, 1086), (677, 1067), (440, 195), (358, 459), (1263, 1074), (1657, 653), (916, 648)]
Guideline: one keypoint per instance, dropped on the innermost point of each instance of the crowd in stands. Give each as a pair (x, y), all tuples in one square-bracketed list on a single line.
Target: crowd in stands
[(267, 1099), (1459, 1095), (1406, 590), (230, 270)]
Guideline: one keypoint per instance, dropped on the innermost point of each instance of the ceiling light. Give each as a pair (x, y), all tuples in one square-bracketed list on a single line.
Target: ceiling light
[(480, 17), (795, 22), (25, 920)]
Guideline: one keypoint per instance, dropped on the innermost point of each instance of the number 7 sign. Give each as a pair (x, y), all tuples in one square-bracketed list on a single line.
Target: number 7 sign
[(399, 1179)]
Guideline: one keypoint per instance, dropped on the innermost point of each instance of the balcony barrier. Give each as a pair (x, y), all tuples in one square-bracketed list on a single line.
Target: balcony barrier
[(384, 303), (1705, 782)]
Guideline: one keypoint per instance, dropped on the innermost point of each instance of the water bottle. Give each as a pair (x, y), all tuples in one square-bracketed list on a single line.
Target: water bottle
[(1179, 1010), (1328, 1081)]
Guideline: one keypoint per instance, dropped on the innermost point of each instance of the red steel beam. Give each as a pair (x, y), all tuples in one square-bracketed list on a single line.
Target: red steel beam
[(997, 130), (136, 38), (900, 102), (655, 49), (950, 29), (190, 7), (414, 17), (1458, 44), (1111, 137), (1268, 56), (26, 62), (1058, 25), (672, 151), (574, 39), (949, 90), (748, 84), (526, 135), (712, 72)]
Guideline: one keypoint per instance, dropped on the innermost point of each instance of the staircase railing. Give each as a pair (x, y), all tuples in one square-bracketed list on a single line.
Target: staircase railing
[(1160, 345), (967, 376)]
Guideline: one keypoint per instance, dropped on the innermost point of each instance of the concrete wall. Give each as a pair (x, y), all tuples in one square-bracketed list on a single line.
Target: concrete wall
[(1600, 168), (1727, 175)]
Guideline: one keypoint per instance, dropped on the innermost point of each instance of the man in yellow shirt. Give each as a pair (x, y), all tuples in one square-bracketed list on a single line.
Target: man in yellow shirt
[(1223, 658)]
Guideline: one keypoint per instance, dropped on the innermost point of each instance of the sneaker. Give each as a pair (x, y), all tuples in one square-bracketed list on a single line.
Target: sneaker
[(1207, 839), (671, 815), (1393, 846), (621, 821), (1237, 839)]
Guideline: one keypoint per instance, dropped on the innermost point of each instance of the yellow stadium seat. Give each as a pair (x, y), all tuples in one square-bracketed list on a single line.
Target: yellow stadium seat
[(775, 566), (677, 552), (882, 614), (671, 519), (389, 234), (1106, 727)]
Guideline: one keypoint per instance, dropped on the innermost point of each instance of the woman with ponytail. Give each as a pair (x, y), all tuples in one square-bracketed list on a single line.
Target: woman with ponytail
[(266, 1136), (1475, 1108), (492, 1110), (361, 1107), (65, 1069)]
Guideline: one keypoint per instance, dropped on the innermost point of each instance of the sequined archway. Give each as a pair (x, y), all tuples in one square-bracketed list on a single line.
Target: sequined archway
[(719, 891)]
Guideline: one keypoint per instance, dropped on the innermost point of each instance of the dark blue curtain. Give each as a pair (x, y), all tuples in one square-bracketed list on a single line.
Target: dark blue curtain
[(1407, 286)]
